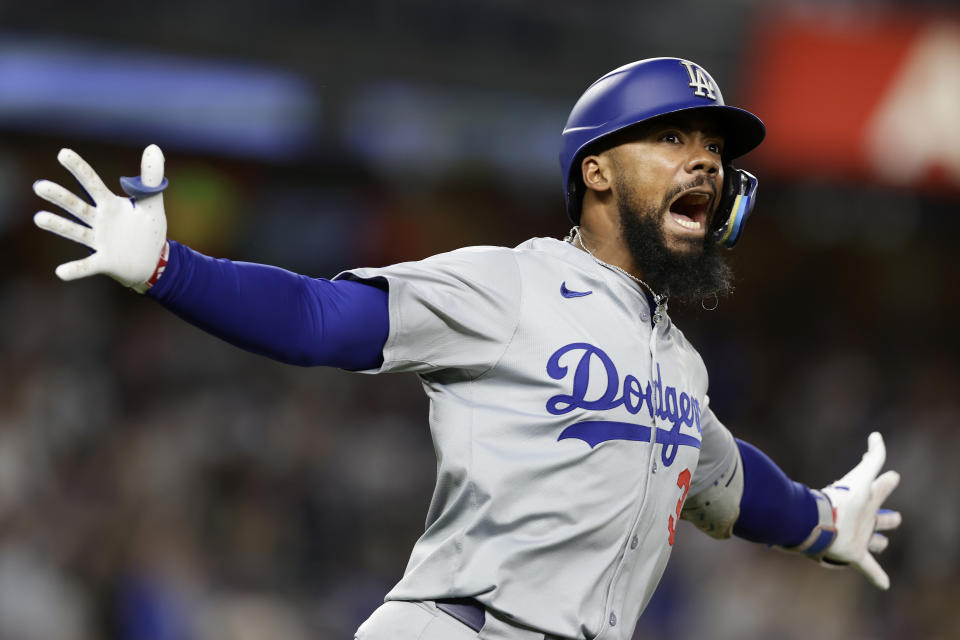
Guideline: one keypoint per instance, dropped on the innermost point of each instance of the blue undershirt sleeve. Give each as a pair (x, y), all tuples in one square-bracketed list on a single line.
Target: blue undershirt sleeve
[(774, 509), (276, 313)]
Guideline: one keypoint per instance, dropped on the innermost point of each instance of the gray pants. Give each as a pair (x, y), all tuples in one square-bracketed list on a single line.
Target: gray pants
[(398, 620)]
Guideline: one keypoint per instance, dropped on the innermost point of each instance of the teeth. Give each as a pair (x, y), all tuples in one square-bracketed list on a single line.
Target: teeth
[(698, 197), (689, 224)]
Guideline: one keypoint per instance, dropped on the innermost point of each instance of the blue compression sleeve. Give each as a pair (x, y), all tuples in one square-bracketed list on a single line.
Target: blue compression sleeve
[(774, 509), (276, 313)]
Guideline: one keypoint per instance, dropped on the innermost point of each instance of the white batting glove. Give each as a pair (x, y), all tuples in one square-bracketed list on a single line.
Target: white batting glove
[(128, 236), (850, 516), (856, 499)]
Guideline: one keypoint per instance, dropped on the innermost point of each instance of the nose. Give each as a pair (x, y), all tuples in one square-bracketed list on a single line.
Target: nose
[(702, 161)]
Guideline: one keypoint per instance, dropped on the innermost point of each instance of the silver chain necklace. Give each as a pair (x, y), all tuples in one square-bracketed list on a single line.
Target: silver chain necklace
[(659, 300)]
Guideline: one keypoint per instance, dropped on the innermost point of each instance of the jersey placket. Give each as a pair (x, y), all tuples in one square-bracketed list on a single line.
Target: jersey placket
[(627, 558)]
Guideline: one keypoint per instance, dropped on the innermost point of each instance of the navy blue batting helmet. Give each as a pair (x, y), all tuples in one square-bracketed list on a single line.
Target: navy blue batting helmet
[(640, 91)]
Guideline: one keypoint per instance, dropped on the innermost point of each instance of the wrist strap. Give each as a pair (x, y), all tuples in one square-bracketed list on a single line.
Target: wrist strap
[(816, 544), (161, 265)]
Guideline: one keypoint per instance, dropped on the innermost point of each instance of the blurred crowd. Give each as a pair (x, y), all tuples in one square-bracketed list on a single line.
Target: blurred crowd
[(158, 484)]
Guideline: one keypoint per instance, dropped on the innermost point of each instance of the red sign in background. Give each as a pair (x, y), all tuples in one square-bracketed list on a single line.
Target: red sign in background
[(869, 98)]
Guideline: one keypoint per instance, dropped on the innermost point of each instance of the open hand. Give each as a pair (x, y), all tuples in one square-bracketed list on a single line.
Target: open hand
[(856, 499), (127, 235)]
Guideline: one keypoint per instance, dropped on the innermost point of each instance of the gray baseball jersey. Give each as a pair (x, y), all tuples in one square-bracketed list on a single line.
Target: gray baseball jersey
[(568, 430)]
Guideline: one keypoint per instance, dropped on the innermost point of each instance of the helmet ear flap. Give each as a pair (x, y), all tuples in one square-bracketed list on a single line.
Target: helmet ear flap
[(736, 204)]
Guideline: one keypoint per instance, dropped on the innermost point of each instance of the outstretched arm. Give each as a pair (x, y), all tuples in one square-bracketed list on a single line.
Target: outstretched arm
[(837, 525), (270, 311), (276, 313)]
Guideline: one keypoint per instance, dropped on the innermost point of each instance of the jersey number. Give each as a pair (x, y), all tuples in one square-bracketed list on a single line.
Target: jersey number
[(683, 481)]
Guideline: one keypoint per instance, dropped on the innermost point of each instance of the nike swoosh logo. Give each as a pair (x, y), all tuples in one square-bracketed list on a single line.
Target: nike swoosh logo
[(569, 293)]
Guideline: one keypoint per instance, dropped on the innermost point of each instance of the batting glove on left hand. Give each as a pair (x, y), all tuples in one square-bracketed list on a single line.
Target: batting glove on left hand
[(127, 235), (851, 517), (856, 499)]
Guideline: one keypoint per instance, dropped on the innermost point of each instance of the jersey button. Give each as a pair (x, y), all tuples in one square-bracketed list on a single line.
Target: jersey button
[(613, 619), (634, 542)]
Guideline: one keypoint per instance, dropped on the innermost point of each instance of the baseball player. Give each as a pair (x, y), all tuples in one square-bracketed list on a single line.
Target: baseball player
[(571, 417)]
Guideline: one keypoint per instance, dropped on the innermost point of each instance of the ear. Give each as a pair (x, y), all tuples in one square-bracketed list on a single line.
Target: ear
[(596, 172)]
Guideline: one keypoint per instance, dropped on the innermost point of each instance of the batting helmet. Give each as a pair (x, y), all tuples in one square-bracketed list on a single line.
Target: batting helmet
[(654, 87)]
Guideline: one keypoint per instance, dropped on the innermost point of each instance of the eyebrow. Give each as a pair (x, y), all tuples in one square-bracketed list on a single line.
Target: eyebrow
[(708, 130), (713, 132)]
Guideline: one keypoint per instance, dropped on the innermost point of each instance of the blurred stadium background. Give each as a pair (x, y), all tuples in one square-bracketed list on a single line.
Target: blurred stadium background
[(157, 484)]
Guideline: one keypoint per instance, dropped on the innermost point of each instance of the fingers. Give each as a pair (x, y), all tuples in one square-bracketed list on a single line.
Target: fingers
[(79, 268), (84, 174), (868, 467), (880, 489), (151, 166), (887, 519), (877, 543), (54, 193), (869, 567), (875, 456), (64, 228)]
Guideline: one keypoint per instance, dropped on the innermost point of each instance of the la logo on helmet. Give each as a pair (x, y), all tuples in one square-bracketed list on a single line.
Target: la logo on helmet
[(699, 79)]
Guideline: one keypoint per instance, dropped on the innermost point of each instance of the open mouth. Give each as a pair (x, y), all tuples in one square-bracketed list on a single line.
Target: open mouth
[(690, 210)]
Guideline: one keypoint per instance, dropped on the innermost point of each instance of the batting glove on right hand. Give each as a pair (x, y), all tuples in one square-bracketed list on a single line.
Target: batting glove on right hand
[(127, 235)]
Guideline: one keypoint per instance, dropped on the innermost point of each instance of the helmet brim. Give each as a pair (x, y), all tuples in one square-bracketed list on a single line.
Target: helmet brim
[(741, 130)]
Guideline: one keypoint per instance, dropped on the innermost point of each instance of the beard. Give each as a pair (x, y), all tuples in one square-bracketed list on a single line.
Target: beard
[(693, 274)]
